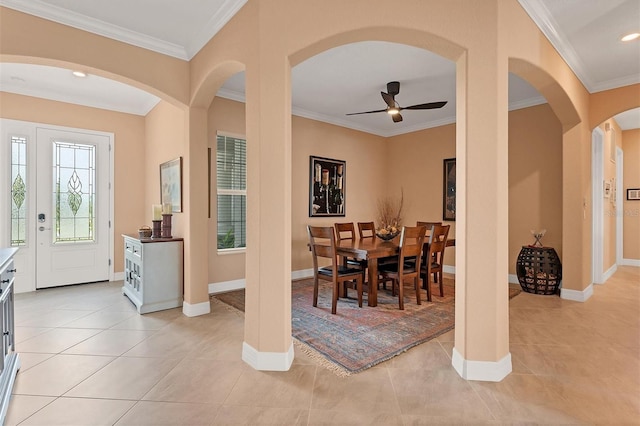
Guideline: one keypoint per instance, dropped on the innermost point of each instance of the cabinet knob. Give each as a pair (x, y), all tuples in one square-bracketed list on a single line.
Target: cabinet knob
[(12, 270), (4, 281), (6, 333)]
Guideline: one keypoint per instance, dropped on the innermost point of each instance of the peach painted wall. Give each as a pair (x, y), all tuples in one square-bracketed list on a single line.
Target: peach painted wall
[(631, 209), (612, 139), (164, 141), (129, 152), (535, 179), (224, 116), (535, 190), (368, 168)]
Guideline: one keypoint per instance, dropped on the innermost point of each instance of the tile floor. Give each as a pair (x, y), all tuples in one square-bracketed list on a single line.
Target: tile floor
[(88, 358)]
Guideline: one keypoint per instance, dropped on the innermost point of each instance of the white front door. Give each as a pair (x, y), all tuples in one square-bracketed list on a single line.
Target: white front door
[(72, 207)]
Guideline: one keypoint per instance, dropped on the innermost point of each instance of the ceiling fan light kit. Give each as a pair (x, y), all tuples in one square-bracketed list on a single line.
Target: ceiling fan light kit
[(393, 108)]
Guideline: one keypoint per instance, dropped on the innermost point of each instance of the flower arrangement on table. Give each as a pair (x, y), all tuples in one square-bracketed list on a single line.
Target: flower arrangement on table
[(389, 217)]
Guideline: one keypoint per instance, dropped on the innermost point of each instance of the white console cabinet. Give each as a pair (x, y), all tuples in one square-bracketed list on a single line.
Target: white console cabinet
[(9, 361), (153, 272)]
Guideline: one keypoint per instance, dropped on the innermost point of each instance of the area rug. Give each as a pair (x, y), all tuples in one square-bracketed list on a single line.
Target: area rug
[(358, 338)]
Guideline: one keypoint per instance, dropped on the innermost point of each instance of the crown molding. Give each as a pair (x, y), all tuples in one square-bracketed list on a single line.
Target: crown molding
[(96, 26), (541, 16), (223, 15), (526, 103)]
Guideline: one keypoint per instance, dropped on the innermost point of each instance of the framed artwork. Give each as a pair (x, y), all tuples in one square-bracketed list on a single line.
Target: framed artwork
[(171, 184), (633, 194), (327, 184), (449, 189)]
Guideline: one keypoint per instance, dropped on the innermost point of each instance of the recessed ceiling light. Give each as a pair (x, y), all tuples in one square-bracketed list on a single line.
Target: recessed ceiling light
[(80, 74), (630, 37)]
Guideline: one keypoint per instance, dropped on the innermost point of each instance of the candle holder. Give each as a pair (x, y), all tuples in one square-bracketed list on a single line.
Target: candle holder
[(166, 225), (156, 231)]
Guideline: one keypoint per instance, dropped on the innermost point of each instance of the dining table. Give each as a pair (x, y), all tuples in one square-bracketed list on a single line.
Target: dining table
[(372, 249)]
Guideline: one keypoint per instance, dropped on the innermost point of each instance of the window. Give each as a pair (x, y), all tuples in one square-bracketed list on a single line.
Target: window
[(18, 191), (231, 172)]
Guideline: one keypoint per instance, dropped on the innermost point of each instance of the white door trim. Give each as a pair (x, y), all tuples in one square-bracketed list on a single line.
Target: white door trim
[(30, 128), (619, 206), (597, 177)]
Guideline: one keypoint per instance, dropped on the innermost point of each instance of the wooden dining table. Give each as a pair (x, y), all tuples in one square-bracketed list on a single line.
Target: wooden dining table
[(371, 250)]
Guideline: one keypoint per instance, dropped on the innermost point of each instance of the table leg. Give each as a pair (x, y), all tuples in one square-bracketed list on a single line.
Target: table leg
[(372, 265)]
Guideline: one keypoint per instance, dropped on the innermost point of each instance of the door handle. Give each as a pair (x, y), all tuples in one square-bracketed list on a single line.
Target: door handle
[(42, 228)]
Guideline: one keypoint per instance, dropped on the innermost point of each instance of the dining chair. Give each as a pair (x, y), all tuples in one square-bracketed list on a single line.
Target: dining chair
[(429, 225), (408, 264), (433, 259), (322, 240), (347, 232), (367, 229)]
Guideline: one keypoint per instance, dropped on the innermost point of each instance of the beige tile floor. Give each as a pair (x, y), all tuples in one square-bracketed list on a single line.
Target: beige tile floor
[(88, 358)]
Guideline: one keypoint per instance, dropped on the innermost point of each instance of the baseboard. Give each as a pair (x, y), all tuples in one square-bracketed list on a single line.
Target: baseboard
[(449, 269), (118, 276), (631, 262), (513, 279), (196, 309), (304, 273), (267, 361), (577, 295), (225, 286), (609, 273), (485, 371)]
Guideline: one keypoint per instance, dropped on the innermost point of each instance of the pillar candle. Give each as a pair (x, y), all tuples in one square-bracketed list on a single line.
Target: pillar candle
[(157, 211), (166, 208)]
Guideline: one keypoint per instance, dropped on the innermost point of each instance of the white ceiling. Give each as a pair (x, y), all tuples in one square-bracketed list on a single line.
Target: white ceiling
[(338, 81)]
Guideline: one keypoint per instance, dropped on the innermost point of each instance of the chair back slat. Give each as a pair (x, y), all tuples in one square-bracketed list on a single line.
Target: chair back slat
[(345, 231), (411, 243), (366, 229)]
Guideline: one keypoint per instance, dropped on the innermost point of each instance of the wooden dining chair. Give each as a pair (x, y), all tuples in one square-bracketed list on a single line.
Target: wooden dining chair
[(367, 229), (408, 264), (322, 240), (347, 232), (433, 259), (429, 226)]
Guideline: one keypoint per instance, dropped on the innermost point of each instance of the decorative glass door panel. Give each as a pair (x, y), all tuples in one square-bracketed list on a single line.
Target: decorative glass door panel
[(72, 226), (73, 192), (18, 191)]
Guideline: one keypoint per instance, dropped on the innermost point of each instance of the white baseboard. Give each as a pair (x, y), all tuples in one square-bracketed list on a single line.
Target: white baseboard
[(449, 269), (267, 361), (197, 309), (631, 262), (577, 295), (513, 279), (485, 371), (609, 273), (224, 286), (304, 273), (118, 276)]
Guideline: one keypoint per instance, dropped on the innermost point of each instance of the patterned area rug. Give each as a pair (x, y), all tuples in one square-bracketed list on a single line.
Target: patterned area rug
[(358, 338)]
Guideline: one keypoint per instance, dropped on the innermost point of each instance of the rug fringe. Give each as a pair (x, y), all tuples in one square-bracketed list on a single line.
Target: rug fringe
[(320, 359)]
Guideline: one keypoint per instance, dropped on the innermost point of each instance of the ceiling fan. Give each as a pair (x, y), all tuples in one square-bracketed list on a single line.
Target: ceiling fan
[(393, 108)]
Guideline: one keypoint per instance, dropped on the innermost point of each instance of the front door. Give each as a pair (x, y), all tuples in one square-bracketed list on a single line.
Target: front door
[(72, 207)]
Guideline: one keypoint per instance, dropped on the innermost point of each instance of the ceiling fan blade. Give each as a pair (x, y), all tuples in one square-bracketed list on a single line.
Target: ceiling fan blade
[(388, 99), (430, 105), (367, 112), (396, 118)]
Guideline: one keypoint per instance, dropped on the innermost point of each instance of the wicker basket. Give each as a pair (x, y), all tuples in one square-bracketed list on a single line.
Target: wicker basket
[(539, 270), (144, 232)]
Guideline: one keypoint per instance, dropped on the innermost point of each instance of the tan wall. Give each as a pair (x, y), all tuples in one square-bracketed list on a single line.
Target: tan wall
[(417, 161), (631, 209), (382, 166), (535, 179), (129, 152), (164, 141), (612, 139), (227, 117)]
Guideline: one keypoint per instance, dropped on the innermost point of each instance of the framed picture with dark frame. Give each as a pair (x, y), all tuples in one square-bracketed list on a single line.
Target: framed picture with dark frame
[(449, 189), (171, 184), (327, 187)]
